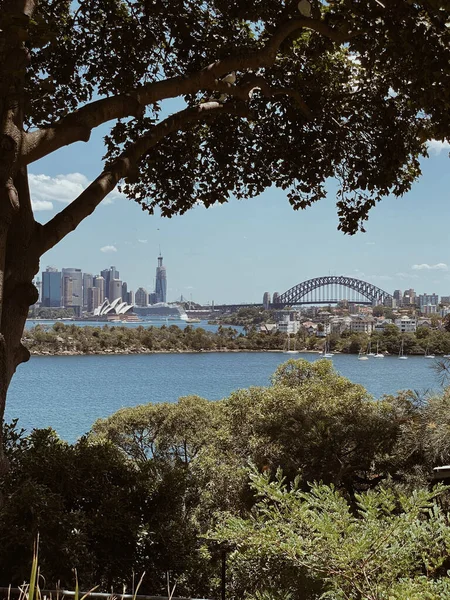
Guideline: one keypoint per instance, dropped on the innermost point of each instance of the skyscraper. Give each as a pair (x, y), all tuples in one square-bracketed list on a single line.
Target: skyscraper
[(115, 289), (67, 293), (77, 289), (93, 298), (409, 297), (88, 282), (141, 297), (99, 283), (51, 287), (398, 297), (161, 281), (108, 275), (428, 299), (124, 291)]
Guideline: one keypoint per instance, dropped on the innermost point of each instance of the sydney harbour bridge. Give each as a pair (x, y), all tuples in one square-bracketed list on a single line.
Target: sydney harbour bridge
[(330, 289)]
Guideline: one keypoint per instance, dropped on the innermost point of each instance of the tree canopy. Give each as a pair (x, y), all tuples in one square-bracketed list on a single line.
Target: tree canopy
[(274, 93)]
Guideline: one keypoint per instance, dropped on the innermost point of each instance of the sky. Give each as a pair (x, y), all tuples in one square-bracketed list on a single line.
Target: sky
[(235, 252)]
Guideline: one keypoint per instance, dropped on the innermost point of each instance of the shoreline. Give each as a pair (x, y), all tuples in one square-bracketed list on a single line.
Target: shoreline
[(145, 351), (136, 351)]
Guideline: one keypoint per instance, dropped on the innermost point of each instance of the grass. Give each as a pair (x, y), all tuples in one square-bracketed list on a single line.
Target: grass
[(32, 590)]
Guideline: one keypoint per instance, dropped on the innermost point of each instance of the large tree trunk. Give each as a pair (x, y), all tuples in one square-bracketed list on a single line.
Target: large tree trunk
[(19, 254), (18, 231)]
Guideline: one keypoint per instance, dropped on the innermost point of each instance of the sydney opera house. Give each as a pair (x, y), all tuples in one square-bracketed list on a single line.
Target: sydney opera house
[(117, 308)]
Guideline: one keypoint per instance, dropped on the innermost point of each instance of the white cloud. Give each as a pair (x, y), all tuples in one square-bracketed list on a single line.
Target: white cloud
[(108, 249), (61, 188), (437, 146), (41, 205), (142, 241), (426, 267)]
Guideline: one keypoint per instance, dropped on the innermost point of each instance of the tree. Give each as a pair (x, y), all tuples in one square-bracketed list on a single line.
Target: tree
[(447, 322), (378, 311), (393, 546), (101, 512), (286, 94)]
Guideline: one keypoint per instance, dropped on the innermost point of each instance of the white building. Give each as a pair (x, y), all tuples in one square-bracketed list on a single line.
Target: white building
[(361, 324), (340, 324), (406, 324), (288, 326), (381, 324)]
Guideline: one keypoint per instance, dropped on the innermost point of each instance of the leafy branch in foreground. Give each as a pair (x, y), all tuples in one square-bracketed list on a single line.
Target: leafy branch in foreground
[(393, 546), (441, 367)]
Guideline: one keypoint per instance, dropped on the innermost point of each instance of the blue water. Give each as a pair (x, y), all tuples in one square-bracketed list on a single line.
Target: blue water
[(69, 393)]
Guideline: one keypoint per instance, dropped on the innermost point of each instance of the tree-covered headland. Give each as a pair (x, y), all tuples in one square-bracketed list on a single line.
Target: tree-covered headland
[(72, 339), (63, 338), (161, 487)]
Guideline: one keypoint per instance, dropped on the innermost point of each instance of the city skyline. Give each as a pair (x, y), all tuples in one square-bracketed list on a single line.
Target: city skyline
[(236, 251), (386, 286), (72, 288)]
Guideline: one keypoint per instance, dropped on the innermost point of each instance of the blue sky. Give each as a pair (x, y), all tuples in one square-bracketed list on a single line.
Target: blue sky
[(235, 252)]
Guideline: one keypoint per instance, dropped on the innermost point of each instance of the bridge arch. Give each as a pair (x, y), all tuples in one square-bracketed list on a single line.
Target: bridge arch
[(303, 293)]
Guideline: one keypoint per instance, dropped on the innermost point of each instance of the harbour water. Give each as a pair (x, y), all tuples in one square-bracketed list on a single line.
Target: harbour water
[(69, 393)]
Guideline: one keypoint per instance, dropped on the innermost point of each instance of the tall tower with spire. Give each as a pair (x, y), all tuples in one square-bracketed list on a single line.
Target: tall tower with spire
[(161, 281)]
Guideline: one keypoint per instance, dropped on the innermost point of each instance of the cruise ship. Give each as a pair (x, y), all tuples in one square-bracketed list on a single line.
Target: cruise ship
[(161, 310)]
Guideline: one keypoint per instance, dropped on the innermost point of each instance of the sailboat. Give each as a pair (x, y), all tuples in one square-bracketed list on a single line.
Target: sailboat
[(369, 350), (287, 348), (379, 354), (362, 356), (427, 355), (401, 355), (326, 353)]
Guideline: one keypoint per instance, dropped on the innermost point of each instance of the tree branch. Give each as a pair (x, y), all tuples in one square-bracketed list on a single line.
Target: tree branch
[(72, 215), (244, 91), (77, 126)]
